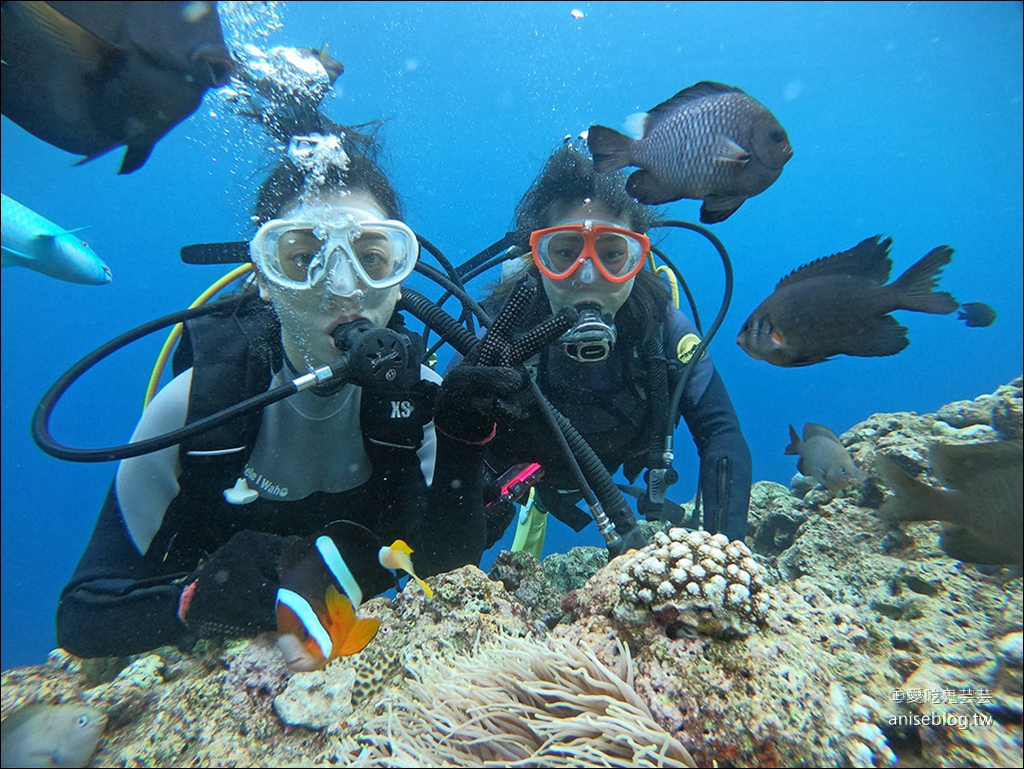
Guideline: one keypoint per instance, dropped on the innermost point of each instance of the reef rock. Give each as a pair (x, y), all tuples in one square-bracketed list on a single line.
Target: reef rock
[(828, 638)]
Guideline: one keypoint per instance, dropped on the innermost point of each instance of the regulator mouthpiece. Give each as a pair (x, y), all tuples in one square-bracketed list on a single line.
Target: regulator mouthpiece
[(592, 338), (372, 356)]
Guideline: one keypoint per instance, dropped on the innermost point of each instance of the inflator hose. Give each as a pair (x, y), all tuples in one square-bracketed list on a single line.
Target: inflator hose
[(594, 471)]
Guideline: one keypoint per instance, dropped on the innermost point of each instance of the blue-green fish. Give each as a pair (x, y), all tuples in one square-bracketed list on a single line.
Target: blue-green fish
[(30, 240), (52, 735)]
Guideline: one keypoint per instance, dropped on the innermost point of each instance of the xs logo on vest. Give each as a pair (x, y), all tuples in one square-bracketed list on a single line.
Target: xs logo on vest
[(401, 409)]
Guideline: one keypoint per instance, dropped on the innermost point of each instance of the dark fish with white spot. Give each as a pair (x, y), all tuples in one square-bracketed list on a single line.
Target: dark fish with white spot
[(709, 142), (840, 305), (88, 77), (982, 506), (823, 457), (51, 736), (976, 314)]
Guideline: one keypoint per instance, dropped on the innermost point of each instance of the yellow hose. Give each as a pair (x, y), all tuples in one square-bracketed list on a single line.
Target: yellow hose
[(175, 334), (670, 276)]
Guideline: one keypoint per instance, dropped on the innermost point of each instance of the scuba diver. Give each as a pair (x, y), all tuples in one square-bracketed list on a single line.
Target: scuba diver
[(610, 372), (189, 539)]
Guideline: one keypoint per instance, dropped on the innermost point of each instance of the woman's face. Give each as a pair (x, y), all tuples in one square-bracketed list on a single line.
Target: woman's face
[(587, 285), (309, 315)]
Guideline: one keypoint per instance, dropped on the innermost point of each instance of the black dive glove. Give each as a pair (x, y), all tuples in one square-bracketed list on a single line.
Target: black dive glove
[(474, 399), (490, 386), (233, 592)]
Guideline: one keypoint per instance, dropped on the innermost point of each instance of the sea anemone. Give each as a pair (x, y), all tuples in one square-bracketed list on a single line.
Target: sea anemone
[(520, 702)]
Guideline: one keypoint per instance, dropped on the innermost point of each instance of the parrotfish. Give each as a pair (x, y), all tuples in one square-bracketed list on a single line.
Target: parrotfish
[(840, 305), (710, 142), (324, 580), (32, 241), (51, 736)]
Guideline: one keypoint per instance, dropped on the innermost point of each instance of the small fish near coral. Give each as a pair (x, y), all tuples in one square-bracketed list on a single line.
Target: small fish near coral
[(982, 506), (709, 142), (840, 305), (317, 621), (976, 314), (32, 241), (88, 77), (823, 457), (51, 736)]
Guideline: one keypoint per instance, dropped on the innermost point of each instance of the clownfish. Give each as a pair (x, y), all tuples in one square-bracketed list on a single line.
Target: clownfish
[(317, 621)]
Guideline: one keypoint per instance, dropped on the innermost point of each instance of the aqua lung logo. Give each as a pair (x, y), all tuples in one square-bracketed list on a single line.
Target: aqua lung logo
[(686, 347), (401, 409)]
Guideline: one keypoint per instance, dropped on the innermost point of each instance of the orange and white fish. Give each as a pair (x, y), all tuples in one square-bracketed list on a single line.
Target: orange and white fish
[(318, 622)]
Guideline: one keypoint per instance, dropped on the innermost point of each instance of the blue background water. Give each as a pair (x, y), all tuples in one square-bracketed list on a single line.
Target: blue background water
[(905, 119)]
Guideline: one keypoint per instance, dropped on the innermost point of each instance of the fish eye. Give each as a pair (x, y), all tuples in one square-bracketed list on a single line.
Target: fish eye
[(82, 720), (776, 136)]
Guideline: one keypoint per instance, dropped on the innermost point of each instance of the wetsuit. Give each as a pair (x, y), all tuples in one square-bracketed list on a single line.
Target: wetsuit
[(610, 405), (312, 460)]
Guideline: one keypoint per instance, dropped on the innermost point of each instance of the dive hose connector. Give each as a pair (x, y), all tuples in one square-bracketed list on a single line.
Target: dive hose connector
[(316, 377), (607, 529), (591, 339)]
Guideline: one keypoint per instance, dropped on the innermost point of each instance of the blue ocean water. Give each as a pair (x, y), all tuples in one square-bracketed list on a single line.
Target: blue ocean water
[(905, 119)]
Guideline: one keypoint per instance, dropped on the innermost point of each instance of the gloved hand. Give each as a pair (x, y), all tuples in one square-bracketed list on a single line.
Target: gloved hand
[(233, 592), (474, 399), (490, 386)]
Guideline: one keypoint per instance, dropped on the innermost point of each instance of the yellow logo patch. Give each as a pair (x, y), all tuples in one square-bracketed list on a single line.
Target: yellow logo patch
[(686, 347)]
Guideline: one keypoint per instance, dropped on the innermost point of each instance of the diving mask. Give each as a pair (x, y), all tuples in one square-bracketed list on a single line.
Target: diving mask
[(617, 254), (300, 254)]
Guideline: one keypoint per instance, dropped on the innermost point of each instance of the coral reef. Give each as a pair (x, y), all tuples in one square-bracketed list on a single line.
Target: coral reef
[(829, 638)]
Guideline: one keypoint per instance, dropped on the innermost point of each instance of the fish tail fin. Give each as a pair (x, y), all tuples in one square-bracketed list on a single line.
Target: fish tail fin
[(794, 442), (914, 500), (611, 149), (398, 556), (915, 287)]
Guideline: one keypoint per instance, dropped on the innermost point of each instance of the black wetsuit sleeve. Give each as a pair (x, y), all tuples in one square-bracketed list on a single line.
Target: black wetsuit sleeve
[(725, 464), (119, 602), (453, 533)]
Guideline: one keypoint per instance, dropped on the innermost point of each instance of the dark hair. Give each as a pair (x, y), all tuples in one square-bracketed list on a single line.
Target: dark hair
[(569, 179), (287, 182)]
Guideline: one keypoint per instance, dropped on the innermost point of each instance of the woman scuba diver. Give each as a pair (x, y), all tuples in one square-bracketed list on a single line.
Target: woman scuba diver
[(189, 539), (610, 373)]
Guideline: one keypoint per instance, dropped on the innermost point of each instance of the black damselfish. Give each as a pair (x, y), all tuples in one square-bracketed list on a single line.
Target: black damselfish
[(88, 77), (840, 305), (977, 314), (710, 142)]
